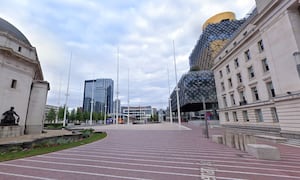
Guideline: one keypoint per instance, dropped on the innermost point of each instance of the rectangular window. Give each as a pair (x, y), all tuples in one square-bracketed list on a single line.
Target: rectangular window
[(225, 101), (259, 115), (247, 55), (242, 98), (232, 99), (239, 78), (230, 82), (251, 72), (255, 94), (235, 116), (13, 84), (221, 74), (228, 69), (260, 45), (236, 63), (265, 65), (226, 116), (245, 116), (271, 90), (274, 114), (222, 86)]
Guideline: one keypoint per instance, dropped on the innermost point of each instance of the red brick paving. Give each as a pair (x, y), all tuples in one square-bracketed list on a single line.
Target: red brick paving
[(165, 155)]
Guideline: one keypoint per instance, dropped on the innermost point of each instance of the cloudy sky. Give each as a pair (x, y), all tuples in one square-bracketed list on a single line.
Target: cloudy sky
[(93, 30)]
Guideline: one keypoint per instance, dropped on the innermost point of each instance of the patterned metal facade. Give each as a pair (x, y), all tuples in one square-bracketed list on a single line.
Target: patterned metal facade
[(199, 81), (193, 87)]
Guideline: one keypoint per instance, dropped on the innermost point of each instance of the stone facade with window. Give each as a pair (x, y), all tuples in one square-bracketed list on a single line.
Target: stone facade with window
[(22, 84), (266, 82)]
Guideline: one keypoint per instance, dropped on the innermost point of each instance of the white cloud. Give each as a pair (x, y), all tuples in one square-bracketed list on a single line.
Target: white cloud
[(92, 30)]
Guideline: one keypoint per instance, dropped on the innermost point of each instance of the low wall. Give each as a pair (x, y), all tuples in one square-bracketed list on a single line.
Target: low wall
[(44, 142), (10, 131)]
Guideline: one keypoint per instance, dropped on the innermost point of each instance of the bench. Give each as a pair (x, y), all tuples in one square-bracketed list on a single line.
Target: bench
[(263, 151)]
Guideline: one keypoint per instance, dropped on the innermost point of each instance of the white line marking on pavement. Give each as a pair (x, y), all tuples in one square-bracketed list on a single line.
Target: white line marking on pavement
[(25, 176), (115, 168), (73, 172), (218, 177), (91, 154), (121, 158), (124, 163), (255, 163), (173, 154), (229, 178), (259, 174), (195, 150), (260, 168)]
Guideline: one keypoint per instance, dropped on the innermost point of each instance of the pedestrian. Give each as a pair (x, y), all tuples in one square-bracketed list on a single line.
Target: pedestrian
[(208, 115)]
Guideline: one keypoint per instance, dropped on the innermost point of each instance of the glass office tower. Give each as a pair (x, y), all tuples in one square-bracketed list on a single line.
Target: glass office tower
[(101, 90)]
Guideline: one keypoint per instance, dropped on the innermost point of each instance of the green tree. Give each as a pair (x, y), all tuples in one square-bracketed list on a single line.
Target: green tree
[(79, 114), (86, 115), (72, 116), (101, 116), (51, 115), (61, 112), (154, 118), (95, 116)]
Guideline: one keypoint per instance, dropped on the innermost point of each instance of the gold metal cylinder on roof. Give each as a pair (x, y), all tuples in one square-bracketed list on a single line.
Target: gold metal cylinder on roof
[(218, 18)]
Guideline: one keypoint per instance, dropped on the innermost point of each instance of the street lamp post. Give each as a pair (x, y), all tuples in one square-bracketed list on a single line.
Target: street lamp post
[(205, 118)]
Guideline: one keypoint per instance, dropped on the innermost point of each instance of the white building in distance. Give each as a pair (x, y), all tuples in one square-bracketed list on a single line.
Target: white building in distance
[(22, 84), (138, 113), (257, 74)]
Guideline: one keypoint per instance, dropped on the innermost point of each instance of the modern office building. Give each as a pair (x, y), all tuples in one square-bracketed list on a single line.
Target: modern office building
[(117, 102), (198, 86), (22, 84), (257, 74), (99, 93), (49, 107), (137, 113)]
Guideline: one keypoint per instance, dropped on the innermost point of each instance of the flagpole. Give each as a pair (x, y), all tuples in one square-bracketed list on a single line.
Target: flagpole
[(92, 102), (171, 118), (128, 100), (58, 102), (117, 102), (177, 89), (67, 94)]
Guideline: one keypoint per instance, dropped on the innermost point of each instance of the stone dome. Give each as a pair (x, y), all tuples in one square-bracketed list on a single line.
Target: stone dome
[(13, 31)]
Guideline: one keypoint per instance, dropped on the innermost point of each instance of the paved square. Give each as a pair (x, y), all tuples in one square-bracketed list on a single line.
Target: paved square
[(166, 152)]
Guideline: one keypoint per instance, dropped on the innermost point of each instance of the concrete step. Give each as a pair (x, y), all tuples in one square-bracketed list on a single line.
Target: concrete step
[(293, 142)]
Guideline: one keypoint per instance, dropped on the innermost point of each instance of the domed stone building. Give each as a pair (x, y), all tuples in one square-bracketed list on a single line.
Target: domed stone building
[(22, 84)]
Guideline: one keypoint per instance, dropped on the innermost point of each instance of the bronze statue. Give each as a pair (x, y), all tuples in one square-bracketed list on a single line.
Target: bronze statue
[(9, 118)]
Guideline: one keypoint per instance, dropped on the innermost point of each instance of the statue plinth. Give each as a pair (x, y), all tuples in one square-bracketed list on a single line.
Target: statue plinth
[(10, 131)]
